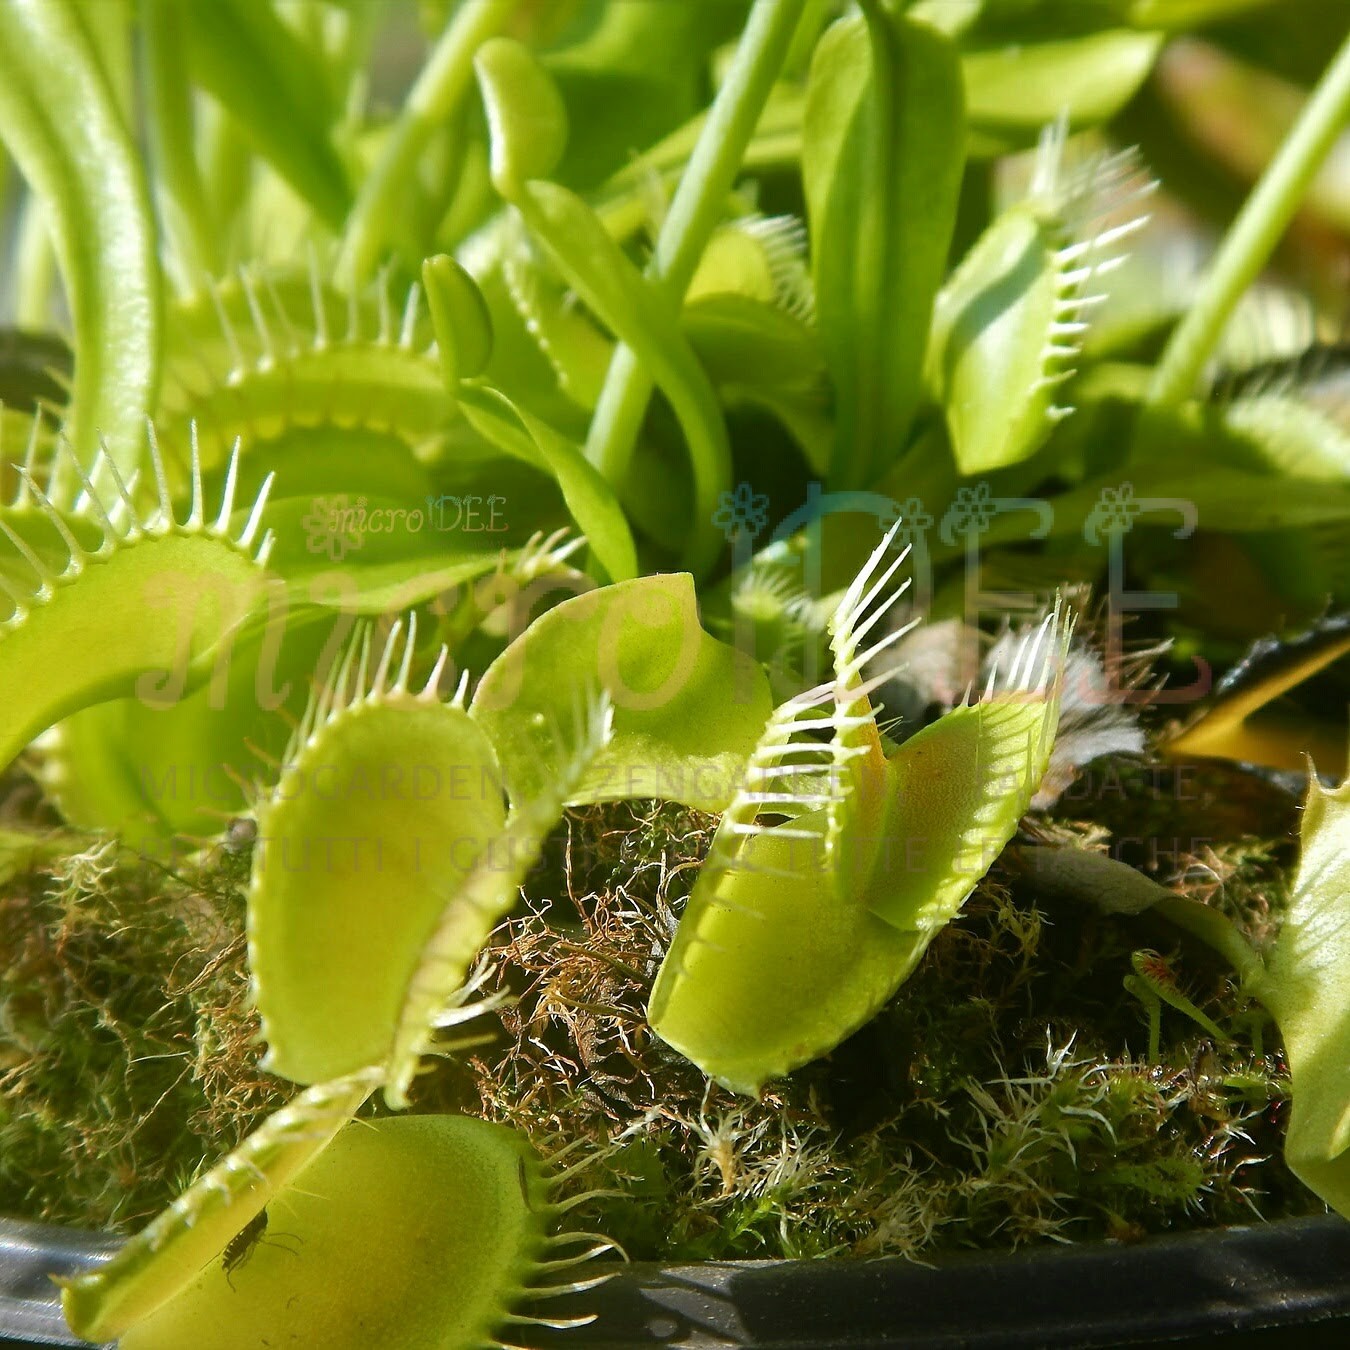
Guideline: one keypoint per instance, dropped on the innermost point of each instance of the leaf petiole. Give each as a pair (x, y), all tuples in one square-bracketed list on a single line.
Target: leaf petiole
[(1254, 234)]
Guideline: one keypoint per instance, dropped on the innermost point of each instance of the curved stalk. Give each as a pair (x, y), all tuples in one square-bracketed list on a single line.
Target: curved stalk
[(1255, 233), (169, 115), (432, 101), (697, 206), (60, 120), (34, 267)]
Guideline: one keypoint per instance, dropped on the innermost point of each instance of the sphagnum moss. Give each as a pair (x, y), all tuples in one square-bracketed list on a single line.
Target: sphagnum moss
[(126, 1040), (1002, 1097)]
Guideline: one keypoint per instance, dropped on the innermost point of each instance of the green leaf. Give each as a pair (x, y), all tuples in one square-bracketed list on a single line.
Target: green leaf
[(745, 342), (243, 55), (385, 803), (150, 774), (687, 709), (1224, 499), (1008, 325), (637, 313), (771, 967), (526, 117), (488, 892), (997, 364), (961, 785), (370, 554), (59, 119), (1286, 435), (796, 933), (149, 605), (419, 1232), (689, 223), (589, 497), (882, 157), (1305, 987), (166, 1255), (460, 317), (574, 345), (1015, 88), (273, 353), (763, 357)]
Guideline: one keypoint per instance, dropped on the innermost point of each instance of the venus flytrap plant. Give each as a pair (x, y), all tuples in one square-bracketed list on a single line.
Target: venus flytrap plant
[(92, 595), (171, 1280), (390, 1239), (1009, 323), (750, 316), (576, 349), (156, 773), (440, 343), (589, 496), (485, 895), (1303, 986), (694, 211), (797, 932), (520, 101), (687, 708), (274, 351), (433, 1230), (195, 1229), (459, 317), (355, 857)]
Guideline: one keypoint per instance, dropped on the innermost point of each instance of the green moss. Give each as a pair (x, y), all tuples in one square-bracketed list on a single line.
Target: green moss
[(126, 1045), (1003, 1097)]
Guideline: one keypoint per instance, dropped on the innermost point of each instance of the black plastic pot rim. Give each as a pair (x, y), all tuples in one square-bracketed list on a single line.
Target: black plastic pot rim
[(1293, 1275)]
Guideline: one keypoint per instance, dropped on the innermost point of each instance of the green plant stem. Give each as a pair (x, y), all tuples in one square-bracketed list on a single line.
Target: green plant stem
[(1254, 234), (698, 205), (108, 25), (433, 100), (227, 166), (170, 120), (34, 268), (60, 121), (855, 454)]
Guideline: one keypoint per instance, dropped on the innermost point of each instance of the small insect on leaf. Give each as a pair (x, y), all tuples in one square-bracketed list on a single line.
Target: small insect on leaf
[(241, 1246)]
